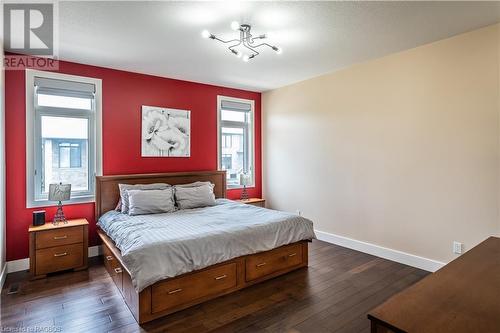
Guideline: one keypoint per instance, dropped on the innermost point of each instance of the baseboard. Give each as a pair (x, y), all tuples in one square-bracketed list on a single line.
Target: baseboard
[(95, 251), (18, 265), (3, 275), (380, 251), (376, 250), (24, 264)]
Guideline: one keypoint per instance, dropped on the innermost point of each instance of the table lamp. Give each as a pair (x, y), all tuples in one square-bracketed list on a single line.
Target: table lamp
[(245, 180), (59, 192)]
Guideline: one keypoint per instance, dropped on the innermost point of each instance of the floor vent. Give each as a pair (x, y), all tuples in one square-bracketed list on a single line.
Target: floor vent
[(13, 289)]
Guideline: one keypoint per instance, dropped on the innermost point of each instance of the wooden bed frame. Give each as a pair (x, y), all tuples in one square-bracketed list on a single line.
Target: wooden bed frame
[(174, 294)]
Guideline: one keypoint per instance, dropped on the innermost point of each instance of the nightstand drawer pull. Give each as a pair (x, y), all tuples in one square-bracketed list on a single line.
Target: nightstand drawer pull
[(174, 291), (292, 254), (118, 270), (221, 277), (61, 254), (109, 258), (260, 265), (60, 237)]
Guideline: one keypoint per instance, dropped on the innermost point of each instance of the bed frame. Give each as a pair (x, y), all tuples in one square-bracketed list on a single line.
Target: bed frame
[(174, 294)]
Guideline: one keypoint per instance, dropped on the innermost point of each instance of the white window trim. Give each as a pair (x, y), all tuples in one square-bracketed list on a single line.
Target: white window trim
[(220, 98), (30, 131)]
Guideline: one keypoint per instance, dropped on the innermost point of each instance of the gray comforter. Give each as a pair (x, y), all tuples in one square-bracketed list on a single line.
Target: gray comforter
[(159, 246)]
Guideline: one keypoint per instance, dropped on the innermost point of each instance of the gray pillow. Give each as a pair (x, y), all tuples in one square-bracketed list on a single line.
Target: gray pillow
[(194, 196), (125, 187), (151, 201), (195, 184)]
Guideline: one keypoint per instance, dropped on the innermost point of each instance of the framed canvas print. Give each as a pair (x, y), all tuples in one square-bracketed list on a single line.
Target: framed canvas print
[(165, 132)]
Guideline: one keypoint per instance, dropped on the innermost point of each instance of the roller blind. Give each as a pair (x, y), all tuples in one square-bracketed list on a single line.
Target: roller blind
[(64, 88), (235, 106)]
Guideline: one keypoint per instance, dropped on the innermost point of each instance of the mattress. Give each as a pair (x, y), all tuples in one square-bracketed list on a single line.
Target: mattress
[(159, 246)]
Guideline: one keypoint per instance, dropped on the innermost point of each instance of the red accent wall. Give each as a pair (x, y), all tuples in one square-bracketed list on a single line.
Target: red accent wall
[(123, 94)]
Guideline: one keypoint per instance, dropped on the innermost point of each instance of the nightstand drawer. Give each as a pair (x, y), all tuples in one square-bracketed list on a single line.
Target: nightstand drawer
[(58, 237), (59, 258)]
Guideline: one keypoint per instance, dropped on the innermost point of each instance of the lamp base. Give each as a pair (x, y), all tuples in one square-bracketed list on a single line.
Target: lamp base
[(244, 194), (59, 217)]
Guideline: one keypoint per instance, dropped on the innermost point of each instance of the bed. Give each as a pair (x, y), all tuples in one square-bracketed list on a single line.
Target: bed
[(163, 263)]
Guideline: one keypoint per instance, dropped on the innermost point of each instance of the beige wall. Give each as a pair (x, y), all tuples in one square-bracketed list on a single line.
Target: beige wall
[(402, 151)]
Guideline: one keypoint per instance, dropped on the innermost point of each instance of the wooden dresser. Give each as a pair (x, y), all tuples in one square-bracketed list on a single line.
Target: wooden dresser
[(254, 201), (463, 296), (59, 247)]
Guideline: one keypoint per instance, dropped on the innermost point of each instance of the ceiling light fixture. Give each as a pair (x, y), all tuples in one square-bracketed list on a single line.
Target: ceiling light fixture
[(246, 41)]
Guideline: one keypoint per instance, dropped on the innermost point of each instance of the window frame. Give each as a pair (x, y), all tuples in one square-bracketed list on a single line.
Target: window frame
[(250, 141), (33, 136)]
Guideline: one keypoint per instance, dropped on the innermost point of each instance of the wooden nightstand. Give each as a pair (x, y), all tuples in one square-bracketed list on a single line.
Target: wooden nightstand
[(254, 201), (59, 247)]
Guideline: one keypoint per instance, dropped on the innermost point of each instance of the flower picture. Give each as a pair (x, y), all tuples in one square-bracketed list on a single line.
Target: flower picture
[(165, 132)]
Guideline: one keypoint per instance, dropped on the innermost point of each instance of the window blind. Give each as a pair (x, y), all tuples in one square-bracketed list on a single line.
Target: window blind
[(64, 88), (235, 106)]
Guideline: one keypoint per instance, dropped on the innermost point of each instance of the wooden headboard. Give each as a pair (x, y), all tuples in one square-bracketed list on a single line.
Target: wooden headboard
[(107, 192)]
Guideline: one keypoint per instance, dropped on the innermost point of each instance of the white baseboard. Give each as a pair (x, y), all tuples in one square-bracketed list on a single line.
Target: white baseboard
[(18, 265), (3, 275), (376, 250), (380, 251), (95, 251), (24, 264)]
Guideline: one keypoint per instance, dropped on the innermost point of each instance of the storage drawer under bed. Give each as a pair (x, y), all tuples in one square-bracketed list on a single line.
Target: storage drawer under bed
[(192, 286), (266, 263), (113, 267)]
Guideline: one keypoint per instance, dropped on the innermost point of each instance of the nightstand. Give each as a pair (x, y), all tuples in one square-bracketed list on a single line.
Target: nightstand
[(59, 247), (254, 201)]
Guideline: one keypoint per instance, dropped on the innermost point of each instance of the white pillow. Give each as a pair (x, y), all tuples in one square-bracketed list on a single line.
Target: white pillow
[(194, 196), (125, 187), (151, 201)]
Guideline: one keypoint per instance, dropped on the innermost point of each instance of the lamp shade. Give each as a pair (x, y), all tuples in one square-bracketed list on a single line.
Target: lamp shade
[(245, 179), (59, 192)]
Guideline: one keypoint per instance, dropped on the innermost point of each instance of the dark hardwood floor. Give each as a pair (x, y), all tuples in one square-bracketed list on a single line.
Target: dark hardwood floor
[(332, 295)]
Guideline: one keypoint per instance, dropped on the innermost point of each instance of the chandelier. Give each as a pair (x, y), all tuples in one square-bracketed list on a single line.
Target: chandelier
[(246, 41)]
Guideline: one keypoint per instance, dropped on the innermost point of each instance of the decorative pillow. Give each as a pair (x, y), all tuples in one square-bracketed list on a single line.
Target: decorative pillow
[(194, 196), (125, 187), (151, 201)]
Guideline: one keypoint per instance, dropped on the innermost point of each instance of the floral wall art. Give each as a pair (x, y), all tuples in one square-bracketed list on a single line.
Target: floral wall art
[(165, 132)]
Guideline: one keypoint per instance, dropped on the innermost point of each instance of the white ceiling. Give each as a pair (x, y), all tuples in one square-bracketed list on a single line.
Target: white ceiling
[(163, 38)]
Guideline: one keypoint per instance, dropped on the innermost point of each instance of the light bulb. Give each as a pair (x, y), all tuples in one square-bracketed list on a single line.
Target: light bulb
[(205, 34), (235, 25), (246, 58)]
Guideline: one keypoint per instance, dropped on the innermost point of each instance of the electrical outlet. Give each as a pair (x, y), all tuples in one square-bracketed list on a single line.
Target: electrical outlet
[(458, 247)]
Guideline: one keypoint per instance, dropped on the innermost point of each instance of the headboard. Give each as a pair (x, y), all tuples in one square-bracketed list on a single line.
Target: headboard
[(107, 192)]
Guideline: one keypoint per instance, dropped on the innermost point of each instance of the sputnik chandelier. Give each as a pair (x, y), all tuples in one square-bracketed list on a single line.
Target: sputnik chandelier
[(246, 45)]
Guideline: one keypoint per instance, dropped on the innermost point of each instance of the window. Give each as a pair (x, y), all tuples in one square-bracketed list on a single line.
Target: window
[(236, 138), (70, 154), (227, 161), (226, 140), (63, 115)]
